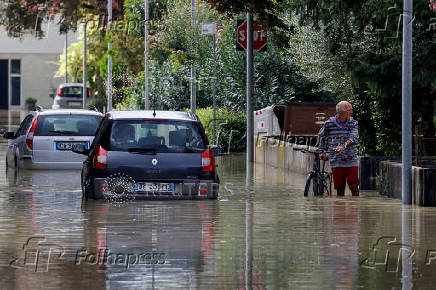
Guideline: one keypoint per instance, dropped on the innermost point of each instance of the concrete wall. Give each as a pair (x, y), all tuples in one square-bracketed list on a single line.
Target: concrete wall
[(423, 183), (280, 154)]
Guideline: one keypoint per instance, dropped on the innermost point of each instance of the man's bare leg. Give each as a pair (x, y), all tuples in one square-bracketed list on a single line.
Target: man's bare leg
[(340, 190), (354, 189)]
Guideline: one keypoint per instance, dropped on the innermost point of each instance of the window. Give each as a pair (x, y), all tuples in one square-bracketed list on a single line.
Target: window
[(25, 125), (67, 125), (15, 80), (163, 135), (15, 66)]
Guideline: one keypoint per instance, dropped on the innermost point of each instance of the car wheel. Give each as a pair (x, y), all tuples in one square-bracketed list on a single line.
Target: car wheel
[(84, 193)]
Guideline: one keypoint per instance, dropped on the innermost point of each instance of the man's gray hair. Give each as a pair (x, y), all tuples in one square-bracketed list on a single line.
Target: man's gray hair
[(341, 106)]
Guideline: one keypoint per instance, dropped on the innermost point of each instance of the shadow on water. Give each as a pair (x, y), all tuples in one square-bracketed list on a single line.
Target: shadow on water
[(261, 233)]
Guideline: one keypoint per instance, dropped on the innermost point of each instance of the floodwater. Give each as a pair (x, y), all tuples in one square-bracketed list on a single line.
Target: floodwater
[(260, 234)]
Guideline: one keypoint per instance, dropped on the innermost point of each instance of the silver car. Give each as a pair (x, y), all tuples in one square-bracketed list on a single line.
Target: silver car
[(70, 95), (45, 139)]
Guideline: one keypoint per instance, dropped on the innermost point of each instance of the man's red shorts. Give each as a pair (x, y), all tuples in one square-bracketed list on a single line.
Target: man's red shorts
[(340, 174)]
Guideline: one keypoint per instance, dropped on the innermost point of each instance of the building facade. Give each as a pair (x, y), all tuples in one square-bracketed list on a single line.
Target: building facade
[(28, 65)]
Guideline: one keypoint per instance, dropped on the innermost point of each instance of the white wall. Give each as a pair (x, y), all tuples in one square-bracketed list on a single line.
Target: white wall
[(52, 43), (39, 61)]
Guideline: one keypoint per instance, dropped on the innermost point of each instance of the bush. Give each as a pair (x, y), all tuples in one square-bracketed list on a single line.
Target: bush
[(230, 127)]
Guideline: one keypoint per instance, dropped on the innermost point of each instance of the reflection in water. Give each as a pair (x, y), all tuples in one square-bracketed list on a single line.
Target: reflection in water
[(261, 233)]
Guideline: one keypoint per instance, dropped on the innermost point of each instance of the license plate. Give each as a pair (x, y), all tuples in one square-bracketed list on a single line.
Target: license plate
[(69, 145), (154, 187), (75, 103)]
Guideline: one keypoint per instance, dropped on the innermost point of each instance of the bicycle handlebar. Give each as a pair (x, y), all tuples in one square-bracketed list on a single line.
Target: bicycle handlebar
[(306, 151)]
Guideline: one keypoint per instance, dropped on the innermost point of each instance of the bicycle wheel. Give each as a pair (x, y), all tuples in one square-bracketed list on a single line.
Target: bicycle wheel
[(327, 188), (312, 185)]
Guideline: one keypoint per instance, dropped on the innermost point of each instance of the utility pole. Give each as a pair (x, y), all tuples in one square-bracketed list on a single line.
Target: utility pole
[(193, 75), (109, 57), (406, 173), (66, 56), (249, 88), (214, 86), (146, 52), (84, 90)]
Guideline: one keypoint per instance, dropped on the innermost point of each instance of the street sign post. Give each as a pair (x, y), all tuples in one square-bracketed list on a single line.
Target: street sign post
[(260, 36), (210, 29)]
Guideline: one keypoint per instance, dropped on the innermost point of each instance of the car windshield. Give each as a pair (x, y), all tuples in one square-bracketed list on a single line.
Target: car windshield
[(144, 136), (71, 125)]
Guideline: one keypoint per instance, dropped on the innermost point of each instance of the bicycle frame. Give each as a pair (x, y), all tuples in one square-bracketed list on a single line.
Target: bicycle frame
[(322, 177)]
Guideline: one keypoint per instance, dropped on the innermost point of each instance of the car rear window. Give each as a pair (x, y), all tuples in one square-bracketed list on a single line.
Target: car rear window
[(72, 92), (160, 135), (67, 125)]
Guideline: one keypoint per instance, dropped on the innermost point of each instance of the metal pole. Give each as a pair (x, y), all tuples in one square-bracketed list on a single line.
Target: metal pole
[(84, 90), (407, 103), (406, 249), (249, 88), (146, 67), (66, 57), (193, 75), (109, 58), (249, 213), (214, 86)]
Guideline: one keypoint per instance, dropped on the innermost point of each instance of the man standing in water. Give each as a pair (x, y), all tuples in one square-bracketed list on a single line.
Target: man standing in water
[(338, 139)]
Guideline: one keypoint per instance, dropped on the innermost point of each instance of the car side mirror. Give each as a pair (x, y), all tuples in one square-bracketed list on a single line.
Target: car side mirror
[(52, 95), (9, 135), (80, 149)]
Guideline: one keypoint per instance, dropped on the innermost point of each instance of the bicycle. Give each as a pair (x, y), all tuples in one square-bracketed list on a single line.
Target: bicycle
[(319, 182)]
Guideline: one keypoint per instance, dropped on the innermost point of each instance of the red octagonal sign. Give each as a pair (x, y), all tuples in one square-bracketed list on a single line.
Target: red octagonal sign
[(260, 36)]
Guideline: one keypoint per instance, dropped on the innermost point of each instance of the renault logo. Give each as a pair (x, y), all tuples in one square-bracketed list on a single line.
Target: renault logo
[(154, 161)]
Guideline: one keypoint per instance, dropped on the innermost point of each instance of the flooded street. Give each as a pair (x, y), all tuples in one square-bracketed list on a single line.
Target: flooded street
[(260, 234)]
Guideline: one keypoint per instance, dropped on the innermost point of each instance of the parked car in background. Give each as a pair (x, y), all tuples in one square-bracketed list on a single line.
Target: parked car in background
[(70, 95), (45, 138), (149, 155)]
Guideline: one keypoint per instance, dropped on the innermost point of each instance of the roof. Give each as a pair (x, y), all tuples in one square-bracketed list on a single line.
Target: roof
[(72, 85), (172, 115), (70, 111)]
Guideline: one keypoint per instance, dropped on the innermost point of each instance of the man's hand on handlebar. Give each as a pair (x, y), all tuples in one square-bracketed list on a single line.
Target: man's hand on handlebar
[(323, 156)]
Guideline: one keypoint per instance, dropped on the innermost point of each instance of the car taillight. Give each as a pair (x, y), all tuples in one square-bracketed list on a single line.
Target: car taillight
[(100, 158), (59, 92), (89, 93), (207, 161), (29, 138)]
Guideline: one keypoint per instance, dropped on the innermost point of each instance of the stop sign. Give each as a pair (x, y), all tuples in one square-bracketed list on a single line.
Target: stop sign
[(260, 37)]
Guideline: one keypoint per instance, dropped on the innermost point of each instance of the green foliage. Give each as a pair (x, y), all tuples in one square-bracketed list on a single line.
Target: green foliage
[(176, 45), (31, 101), (230, 127), (366, 38)]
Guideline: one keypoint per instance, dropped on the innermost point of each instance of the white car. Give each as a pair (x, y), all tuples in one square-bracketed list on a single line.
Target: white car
[(45, 139), (70, 95)]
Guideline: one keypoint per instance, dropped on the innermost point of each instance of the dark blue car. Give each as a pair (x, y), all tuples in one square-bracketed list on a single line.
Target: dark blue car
[(146, 154)]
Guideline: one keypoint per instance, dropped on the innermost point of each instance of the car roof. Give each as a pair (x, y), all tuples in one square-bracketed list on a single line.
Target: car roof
[(70, 111), (138, 114), (71, 85)]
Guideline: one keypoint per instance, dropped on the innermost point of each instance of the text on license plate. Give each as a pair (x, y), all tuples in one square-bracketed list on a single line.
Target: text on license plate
[(74, 103), (69, 145), (154, 186)]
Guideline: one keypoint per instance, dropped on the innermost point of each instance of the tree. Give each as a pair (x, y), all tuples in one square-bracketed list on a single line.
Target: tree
[(20, 16), (366, 36)]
